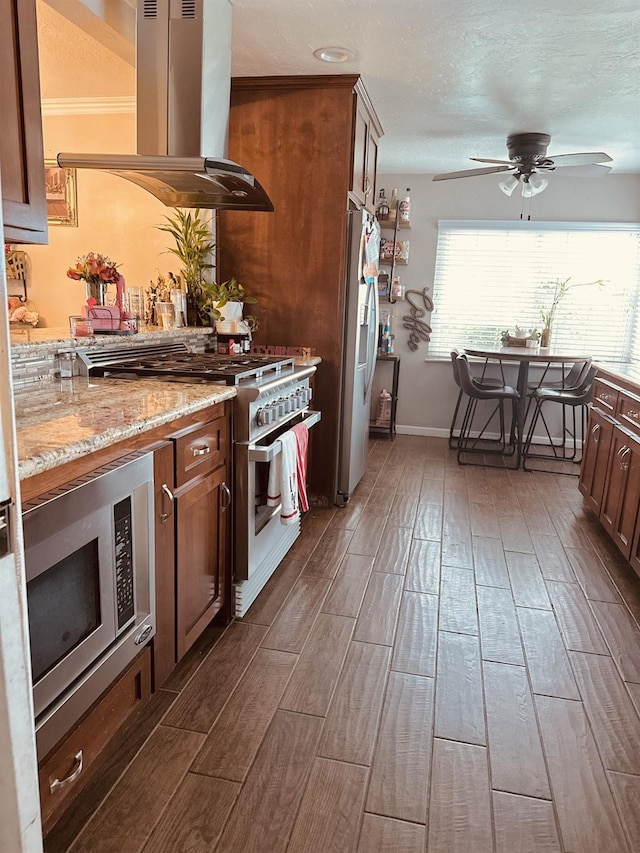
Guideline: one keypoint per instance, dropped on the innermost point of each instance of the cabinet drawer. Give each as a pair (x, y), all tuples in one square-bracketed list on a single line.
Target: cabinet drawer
[(201, 451), (604, 396), (628, 411), (67, 769)]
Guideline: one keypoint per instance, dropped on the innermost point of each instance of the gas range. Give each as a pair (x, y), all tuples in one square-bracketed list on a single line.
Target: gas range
[(176, 360), (271, 390), (272, 395)]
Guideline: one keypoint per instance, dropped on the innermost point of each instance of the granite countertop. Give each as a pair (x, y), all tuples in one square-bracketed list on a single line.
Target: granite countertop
[(62, 420)]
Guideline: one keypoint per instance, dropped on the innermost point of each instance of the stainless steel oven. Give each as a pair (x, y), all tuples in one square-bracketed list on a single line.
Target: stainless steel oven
[(89, 549), (262, 540), (272, 394)]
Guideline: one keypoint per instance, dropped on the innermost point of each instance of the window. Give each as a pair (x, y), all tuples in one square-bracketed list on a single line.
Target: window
[(492, 276)]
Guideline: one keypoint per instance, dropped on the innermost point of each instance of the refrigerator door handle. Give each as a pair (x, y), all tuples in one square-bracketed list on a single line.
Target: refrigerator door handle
[(372, 302)]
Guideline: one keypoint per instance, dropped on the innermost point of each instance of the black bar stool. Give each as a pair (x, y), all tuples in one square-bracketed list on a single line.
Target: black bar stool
[(485, 381), (577, 397), (503, 446)]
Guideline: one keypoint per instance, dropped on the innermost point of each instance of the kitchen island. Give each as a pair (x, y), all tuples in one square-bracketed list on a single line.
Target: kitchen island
[(72, 430), (63, 420)]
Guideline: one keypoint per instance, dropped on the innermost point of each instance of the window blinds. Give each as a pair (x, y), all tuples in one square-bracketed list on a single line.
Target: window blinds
[(492, 276)]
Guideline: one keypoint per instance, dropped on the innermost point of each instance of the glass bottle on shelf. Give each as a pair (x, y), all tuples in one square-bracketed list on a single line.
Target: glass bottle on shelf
[(382, 211), (393, 206), (404, 209)]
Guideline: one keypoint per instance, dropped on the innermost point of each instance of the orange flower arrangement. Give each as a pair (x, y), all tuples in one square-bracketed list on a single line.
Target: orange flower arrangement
[(95, 269)]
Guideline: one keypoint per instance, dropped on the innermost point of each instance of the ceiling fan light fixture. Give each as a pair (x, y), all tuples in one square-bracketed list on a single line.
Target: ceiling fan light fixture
[(509, 184), (534, 185)]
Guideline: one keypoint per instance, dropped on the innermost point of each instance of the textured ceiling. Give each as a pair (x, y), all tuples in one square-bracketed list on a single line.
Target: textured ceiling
[(451, 79)]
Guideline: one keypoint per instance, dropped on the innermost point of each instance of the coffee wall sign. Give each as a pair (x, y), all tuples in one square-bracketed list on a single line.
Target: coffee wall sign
[(421, 305)]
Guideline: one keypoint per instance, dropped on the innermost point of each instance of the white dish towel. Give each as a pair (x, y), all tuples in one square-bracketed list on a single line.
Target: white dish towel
[(283, 480)]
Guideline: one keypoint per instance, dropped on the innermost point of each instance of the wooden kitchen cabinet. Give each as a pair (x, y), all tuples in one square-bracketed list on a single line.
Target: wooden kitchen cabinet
[(610, 471), (197, 510), (367, 133), (202, 512), (67, 769), (595, 459), (21, 148), (619, 510), (311, 141)]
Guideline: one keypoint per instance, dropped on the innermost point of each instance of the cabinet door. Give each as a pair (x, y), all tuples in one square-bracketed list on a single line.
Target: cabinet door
[(202, 537), (622, 491), (360, 184), (365, 155), (371, 168), (595, 460), (21, 151)]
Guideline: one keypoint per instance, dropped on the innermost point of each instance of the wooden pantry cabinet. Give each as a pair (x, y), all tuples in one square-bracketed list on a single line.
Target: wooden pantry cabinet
[(312, 143), (610, 471), (21, 148)]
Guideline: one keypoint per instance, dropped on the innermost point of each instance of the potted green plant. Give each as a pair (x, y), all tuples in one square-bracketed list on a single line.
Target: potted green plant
[(226, 301), (194, 247), (560, 290)]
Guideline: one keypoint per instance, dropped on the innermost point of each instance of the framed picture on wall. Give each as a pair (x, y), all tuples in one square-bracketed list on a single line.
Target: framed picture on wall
[(61, 194)]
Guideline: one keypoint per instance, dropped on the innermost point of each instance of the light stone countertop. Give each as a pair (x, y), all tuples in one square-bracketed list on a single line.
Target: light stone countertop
[(61, 420)]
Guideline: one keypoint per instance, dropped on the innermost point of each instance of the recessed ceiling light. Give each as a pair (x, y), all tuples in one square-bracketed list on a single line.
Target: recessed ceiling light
[(333, 54)]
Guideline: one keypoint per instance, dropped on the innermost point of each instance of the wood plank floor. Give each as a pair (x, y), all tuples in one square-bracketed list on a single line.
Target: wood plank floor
[(450, 663)]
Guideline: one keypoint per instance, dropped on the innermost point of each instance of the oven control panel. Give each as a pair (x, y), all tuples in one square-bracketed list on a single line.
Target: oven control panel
[(277, 409), (277, 406)]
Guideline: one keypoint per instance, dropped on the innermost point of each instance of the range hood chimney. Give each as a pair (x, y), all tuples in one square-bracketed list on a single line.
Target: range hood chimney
[(183, 82)]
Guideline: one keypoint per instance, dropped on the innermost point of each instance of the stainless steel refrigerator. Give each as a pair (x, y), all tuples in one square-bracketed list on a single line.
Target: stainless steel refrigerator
[(360, 349)]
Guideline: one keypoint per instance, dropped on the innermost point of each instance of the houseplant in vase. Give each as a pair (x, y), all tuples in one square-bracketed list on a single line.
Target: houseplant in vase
[(560, 289), (194, 247), (227, 304)]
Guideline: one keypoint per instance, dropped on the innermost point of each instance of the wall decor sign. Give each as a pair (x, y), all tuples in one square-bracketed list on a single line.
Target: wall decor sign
[(61, 194), (421, 304)]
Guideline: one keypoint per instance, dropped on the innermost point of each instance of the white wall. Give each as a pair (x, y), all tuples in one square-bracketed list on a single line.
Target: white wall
[(427, 393)]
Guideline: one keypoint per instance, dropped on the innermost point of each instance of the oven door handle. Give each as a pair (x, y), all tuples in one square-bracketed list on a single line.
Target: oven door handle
[(259, 453)]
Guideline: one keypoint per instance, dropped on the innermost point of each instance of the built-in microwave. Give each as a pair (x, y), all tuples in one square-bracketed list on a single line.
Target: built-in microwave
[(89, 557)]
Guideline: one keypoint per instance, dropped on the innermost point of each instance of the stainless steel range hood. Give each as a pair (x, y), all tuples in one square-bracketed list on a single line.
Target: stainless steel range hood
[(183, 76)]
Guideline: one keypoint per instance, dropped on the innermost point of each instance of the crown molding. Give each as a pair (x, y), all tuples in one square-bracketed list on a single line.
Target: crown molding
[(87, 106)]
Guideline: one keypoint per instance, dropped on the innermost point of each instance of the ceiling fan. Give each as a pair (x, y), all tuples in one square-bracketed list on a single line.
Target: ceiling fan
[(528, 159)]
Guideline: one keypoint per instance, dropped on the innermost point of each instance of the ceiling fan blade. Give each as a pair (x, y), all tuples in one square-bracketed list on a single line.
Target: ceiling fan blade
[(593, 170), (486, 160), (586, 159), (467, 173)]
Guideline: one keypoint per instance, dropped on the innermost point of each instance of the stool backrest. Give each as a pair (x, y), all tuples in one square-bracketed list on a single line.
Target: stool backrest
[(466, 381), (454, 366), (577, 374)]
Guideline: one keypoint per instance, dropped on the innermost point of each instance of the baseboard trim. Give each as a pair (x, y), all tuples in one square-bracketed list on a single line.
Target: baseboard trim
[(403, 429)]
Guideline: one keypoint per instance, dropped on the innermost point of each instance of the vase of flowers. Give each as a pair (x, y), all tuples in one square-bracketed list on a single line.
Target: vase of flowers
[(97, 271)]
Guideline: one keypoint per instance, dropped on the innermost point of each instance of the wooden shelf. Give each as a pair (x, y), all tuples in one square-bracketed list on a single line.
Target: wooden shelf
[(391, 429), (391, 226)]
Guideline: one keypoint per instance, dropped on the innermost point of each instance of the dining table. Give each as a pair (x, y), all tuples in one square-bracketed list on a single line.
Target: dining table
[(524, 356)]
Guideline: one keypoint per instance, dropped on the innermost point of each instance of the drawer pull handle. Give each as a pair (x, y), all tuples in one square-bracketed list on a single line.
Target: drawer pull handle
[(632, 413), (595, 432), (62, 783), (201, 451), (623, 455), (227, 492), (165, 516)]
